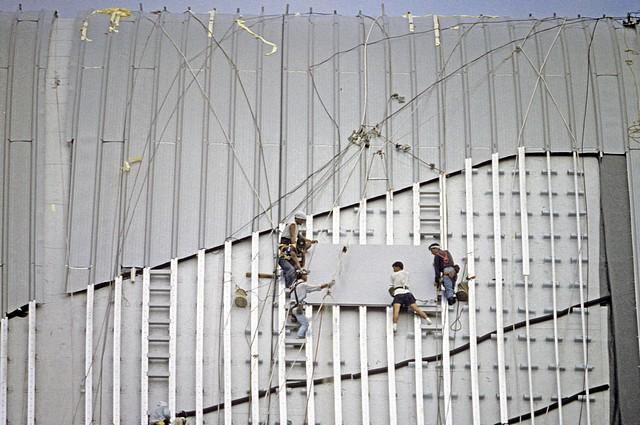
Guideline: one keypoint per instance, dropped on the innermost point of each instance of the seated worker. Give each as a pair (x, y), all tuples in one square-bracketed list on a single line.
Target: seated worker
[(401, 294), (292, 249), (297, 295), (445, 272)]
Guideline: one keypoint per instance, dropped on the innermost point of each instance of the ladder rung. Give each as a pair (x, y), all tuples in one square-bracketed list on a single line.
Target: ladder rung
[(294, 341), (159, 289), (430, 206), (159, 305), (431, 327), (159, 357), (298, 362), (158, 376), (428, 192), (159, 322), (430, 219), (160, 271), (158, 339)]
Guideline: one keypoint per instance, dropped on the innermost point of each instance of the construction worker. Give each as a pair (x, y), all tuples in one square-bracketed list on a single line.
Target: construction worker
[(402, 296), (445, 272), (292, 249), (297, 295)]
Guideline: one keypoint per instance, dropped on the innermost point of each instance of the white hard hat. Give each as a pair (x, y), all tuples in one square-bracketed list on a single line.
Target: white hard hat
[(300, 215)]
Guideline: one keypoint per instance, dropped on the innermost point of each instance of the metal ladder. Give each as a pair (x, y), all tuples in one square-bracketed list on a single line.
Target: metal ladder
[(156, 339), (430, 213)]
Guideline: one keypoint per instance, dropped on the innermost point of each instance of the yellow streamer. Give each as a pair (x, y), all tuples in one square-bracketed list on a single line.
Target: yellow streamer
[(115, 14), (126, 167), (242, 25)]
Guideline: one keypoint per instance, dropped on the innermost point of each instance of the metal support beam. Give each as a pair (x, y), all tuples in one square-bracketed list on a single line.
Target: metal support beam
[(364, 367), (255, 317), (446, 358), (497, 252), (226, 340), (173, 335), (473, 330), (335, 215), (31, 365), (88, 357), (417, 331), (524, 226), (391, 369), (362, 216), (199, 366), (282, 366), (580, 284), (282, 335), (554, 282), (4, 339), (417, 322), (310, 405), (416, 214), (389, 218), (144, 348), (309, 227), (337, 369), (117, 338)]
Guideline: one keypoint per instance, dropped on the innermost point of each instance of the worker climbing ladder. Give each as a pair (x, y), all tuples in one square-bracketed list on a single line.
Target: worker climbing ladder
[(158, 338)]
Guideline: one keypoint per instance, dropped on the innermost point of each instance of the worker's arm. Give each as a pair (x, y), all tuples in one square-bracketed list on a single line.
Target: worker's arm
[(314, 288)]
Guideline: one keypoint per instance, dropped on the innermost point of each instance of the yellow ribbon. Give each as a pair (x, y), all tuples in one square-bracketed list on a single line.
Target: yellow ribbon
[(242, 25)]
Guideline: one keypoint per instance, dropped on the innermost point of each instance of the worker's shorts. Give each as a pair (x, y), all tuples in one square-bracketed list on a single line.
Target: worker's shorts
[(404, 299)]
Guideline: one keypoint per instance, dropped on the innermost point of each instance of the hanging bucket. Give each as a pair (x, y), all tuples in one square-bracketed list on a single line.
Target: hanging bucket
[(240, 297)]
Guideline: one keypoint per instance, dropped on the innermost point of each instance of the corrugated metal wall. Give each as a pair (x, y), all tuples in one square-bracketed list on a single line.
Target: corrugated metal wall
[(132, 94), (223, 129), (24, 45)]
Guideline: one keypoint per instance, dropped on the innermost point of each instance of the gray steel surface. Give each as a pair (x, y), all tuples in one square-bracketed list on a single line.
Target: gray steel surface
[(73, 112), (223, 129)]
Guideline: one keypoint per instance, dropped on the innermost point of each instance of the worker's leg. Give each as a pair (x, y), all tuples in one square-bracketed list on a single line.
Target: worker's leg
[(417, 310), (288, 272), (396, 312), (448, 285), (420, 313), (304, 323)]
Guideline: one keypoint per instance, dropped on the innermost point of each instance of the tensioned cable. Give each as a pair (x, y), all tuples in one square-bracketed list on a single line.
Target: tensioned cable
[(456, 46), (366, 72), (405, 363), (106, 318), (212, 110), (585, 328), (466, 64), (417, 33), (209, 50), (246, 96)]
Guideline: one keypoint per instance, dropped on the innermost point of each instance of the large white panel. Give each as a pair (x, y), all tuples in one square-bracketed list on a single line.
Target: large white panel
[(363, 277)]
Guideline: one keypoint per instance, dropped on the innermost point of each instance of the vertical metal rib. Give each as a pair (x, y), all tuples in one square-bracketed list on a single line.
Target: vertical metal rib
[(524, 225), (497, 250), (583, 320), (554, 284), (473, 344)]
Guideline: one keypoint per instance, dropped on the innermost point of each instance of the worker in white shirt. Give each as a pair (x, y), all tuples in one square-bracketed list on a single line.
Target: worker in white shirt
[(402, 296)]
